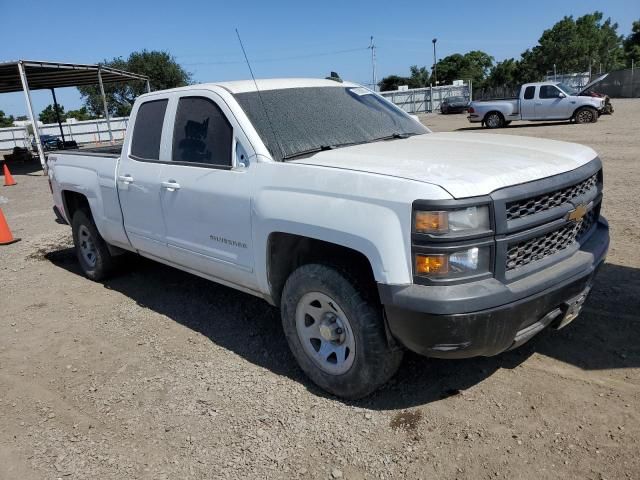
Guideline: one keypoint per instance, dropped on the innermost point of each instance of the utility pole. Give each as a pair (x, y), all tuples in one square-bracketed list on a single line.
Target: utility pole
[(372, 47), (435, 63)]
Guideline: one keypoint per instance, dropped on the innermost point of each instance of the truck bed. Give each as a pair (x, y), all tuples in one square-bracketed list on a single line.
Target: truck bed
[(101, 151)]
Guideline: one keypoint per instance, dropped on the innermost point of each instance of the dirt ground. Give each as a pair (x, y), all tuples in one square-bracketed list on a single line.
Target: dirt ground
[(157, 374)]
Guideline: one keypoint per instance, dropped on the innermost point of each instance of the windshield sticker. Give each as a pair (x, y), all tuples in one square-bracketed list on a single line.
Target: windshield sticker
[(360, 91)]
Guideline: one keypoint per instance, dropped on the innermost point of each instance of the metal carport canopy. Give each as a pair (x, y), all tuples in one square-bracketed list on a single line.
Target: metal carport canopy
[(26, 75)]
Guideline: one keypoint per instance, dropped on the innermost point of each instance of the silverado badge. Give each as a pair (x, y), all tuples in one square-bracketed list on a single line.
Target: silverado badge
[(577, 213)]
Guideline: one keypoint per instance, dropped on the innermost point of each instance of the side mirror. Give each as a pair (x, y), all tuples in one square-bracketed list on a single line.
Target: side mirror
[(562, 95)]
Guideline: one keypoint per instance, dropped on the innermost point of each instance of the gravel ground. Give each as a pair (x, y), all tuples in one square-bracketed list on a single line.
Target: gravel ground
[(157, 374)]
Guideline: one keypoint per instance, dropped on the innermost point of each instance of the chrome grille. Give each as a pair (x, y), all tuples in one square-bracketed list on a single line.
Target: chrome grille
[(534, 249), (547, 201)]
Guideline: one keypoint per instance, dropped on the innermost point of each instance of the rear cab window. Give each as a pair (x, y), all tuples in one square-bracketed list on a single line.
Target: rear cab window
[(147, 131), (529, 92)]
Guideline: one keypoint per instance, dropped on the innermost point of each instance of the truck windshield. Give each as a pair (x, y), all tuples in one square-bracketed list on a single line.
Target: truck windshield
[(566, 89), (298, 121)]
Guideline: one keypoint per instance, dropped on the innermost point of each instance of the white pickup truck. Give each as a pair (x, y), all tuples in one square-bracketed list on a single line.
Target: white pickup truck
[(371, 233), (539, 102)]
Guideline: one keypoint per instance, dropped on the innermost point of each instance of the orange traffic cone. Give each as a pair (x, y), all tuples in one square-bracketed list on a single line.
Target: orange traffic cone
[(5, 234), (8, 179)]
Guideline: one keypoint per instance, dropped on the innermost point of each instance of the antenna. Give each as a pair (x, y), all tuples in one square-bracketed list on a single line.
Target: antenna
[(372, 47), (266, 112)]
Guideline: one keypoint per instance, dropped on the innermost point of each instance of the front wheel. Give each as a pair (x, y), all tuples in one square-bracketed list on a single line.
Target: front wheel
[(336, 333), (586, 115), (494, 120)]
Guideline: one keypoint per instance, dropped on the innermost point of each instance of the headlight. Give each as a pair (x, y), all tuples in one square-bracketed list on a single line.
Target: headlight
[(462, 263), (442, 222)]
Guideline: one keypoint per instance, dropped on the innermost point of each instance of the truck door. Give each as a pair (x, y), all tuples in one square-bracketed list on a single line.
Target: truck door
[(138, 179), (206, 195), (552, 103), (527, 108)]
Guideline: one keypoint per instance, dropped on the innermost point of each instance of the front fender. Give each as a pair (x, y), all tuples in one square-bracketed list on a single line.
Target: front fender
[(376, 231)]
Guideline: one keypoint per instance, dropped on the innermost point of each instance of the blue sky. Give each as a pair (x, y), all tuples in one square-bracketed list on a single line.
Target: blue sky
[(282, 38)]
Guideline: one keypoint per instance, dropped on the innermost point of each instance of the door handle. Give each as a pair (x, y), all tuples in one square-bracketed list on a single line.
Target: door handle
[(171, 185), (125, 178), (538, 104)]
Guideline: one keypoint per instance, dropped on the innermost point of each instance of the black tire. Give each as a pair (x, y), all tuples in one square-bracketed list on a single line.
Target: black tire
[(374, 360), (443, 110), (494, 120), (85, 231), (585, 115)]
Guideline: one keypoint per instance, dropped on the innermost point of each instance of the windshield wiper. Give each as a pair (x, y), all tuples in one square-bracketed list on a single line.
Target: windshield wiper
[(395, 135), (321, 148)]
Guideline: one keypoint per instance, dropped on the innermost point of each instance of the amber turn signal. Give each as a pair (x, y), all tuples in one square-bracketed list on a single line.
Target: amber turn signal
[(431, 222), (432, 264)]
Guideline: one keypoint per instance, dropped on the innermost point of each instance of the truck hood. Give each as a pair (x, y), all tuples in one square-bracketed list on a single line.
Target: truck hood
[(592, 83), (464, 164)]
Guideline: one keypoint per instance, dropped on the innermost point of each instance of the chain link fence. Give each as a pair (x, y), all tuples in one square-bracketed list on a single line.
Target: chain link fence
[(617, 84), (620, 84)]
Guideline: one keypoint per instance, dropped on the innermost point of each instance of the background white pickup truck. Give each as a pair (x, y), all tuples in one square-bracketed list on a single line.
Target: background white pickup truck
[(538, 101), (370, 232)]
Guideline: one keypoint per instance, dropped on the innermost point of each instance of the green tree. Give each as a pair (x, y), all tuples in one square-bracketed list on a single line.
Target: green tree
[(575, 45), (504, 73), (474, 65), (392, 82), (6, 121), (632, 45), (419, 77), (48, 115), (80, 114), (161, 68)]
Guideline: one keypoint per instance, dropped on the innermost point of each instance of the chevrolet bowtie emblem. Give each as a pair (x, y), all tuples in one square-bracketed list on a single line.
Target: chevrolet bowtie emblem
[(577, 213)]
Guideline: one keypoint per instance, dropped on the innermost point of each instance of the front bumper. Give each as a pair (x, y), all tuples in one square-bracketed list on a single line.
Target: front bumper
[(487, 317)]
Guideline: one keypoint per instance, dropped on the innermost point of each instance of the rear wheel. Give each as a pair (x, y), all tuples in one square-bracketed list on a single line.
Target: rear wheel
[(91, 249), (494, 120), (586, 115), (336, 332)]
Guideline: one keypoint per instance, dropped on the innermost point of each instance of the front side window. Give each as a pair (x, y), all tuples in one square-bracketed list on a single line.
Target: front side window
[(147, 131), (202, 133), (549, 91)]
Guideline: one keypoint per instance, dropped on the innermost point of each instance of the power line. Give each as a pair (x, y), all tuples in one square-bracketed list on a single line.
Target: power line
[(280, 59)]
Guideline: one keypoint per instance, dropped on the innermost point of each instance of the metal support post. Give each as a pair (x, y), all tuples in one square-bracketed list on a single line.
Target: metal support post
[(55, 109), (431, 98), (148, 85), (32, 115), (104, 104)]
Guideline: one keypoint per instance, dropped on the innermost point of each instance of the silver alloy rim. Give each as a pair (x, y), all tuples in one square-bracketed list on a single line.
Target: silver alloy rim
[(493, 120), (325, 333), (585, 116), (87, 247)]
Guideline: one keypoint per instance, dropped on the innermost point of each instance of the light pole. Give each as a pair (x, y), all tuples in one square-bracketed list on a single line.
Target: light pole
[(435, 64)]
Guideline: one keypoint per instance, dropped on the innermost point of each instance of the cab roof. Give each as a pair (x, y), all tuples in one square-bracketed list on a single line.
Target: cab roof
[(242, 86)]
